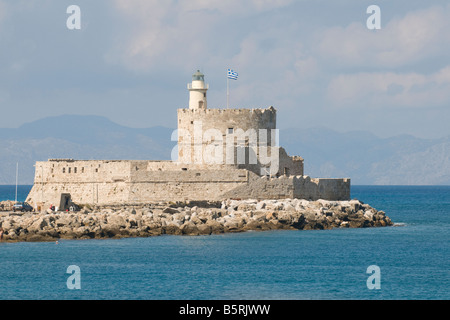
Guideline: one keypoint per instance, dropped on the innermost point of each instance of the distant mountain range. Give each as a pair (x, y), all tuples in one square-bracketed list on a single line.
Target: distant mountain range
[(359, 155)]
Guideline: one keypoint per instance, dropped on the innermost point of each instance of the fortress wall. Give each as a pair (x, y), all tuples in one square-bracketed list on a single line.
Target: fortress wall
[(318, 188), (69, 171), (204, 149), (119, 182), (115, 182), (223, 119), (187, 183), (112, 182), (301, 187), (287, 165), (88, 181), (191, 175), (290, 165), (263, 188), (180, 191), (178, 166), (80, 193), (210, 121)]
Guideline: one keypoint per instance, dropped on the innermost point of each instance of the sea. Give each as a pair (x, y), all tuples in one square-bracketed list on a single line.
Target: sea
[(408, 261)]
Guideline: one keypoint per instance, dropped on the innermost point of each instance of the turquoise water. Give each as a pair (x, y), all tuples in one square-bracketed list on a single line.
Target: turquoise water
[(9, 192), (327, 264)]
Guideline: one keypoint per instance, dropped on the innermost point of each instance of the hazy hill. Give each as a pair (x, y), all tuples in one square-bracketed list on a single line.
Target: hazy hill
[(78, 137), (362, 156), (367, 159)]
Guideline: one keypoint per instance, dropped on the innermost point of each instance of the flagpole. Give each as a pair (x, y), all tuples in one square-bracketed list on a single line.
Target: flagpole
[(228, 91), (233, 76), (17, 174)]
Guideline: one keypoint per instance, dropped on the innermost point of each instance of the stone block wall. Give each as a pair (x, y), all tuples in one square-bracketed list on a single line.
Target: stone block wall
[(200, 128), (301, 187), (116, 182), (319, 188)]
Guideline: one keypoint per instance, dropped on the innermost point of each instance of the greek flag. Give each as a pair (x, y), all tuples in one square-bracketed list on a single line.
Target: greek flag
[(232, 75)]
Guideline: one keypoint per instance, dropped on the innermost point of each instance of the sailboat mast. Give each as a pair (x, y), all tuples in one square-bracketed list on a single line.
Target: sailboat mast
[(17, 175)]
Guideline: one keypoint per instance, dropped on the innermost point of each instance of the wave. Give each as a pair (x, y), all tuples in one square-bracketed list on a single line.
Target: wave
[(400, 224)]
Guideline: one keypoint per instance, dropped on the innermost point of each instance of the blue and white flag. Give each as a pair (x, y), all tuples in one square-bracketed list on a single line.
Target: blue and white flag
[(232, 75)]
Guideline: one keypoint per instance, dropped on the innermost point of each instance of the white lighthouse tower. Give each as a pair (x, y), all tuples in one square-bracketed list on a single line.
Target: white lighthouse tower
[(197, 91)]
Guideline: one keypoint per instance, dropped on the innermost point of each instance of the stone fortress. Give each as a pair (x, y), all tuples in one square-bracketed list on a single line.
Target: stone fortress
[(220, 154)]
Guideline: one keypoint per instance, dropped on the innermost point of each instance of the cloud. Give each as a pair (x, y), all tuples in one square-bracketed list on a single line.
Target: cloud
[(387, 89), (180, 33), (416, 36), (410, 42), (273, 69), (278, 64), (3, 10)]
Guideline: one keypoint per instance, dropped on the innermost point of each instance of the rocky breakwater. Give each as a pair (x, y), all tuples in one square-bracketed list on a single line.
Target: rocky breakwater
[(199, 218)]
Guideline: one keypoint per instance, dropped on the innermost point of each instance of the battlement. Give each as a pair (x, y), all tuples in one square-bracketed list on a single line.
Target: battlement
[(228, 111)]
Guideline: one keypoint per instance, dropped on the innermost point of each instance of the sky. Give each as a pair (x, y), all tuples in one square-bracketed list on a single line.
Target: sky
[(315, 61)]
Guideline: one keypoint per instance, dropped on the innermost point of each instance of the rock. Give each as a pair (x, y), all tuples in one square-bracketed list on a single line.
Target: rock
[(288, 207), (176, 223), (196, 220), (116, 221), (260, 205), (37, 225), (180, 219), (356, 223), (171, 229), (215, 226), (369, 215), (231, 224), (355, 204), (204, 229), (299, 222), (170, 210), (246, 207), (344, 224), (271, 215), (189, 229), (285, 218), (254, 225), (84, 231), (8, 224)]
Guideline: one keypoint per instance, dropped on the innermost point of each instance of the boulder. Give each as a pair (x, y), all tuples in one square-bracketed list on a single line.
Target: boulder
[(37, 225), (215, 226), (170, 210), (189, 229), (116, 221), (8, 224), (204, 229), (260, 205), (246, 207)]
